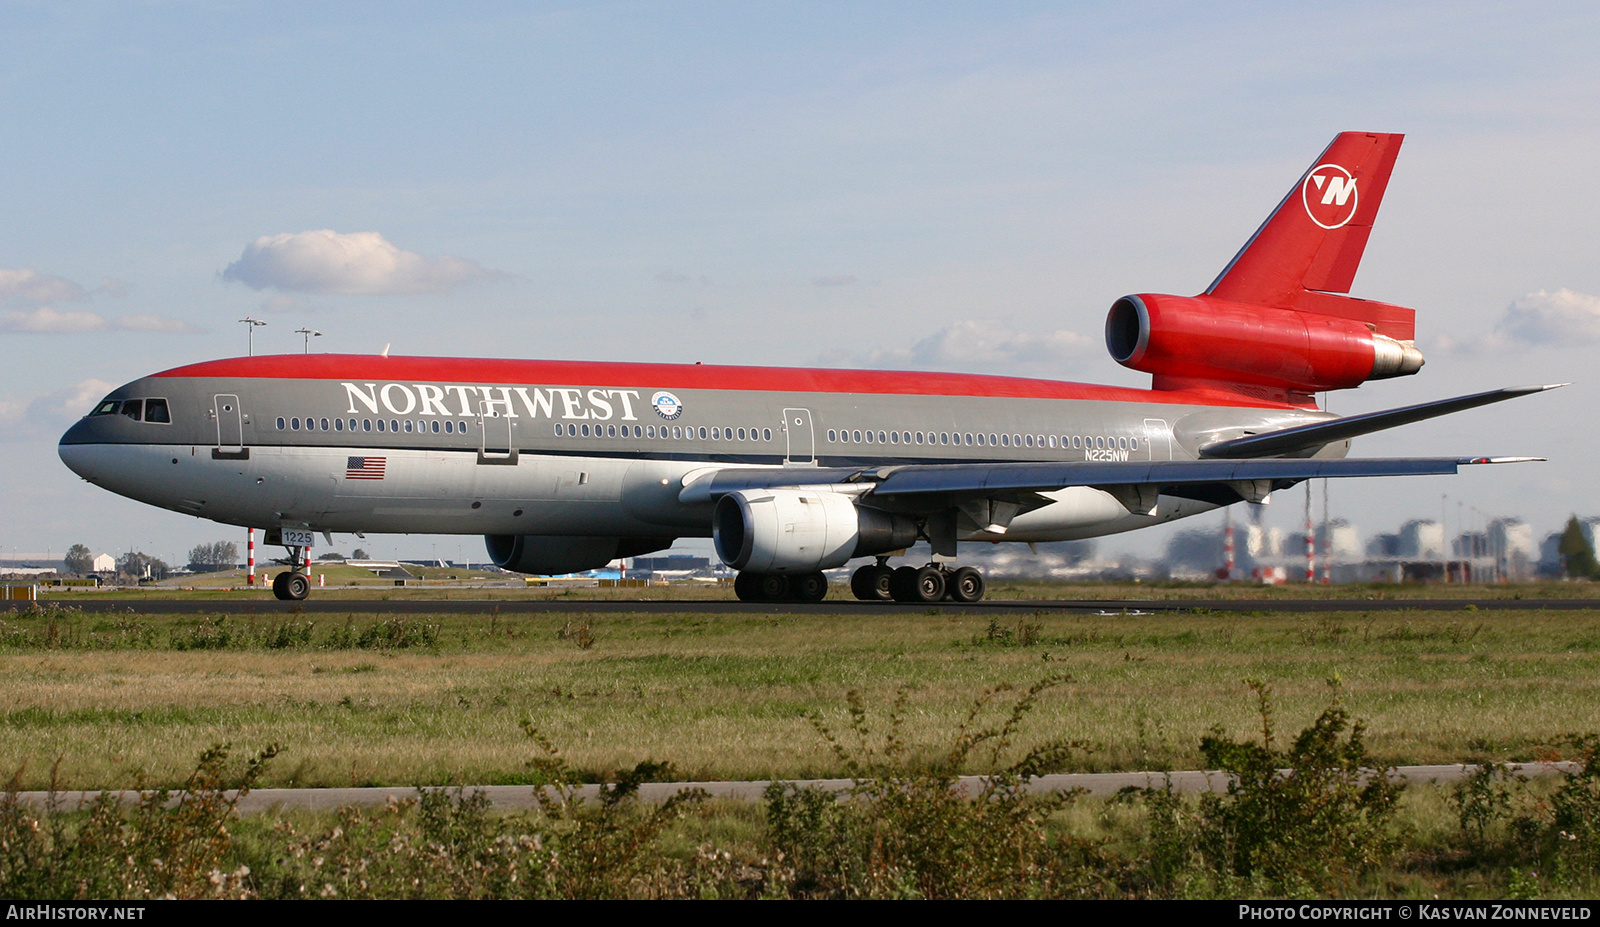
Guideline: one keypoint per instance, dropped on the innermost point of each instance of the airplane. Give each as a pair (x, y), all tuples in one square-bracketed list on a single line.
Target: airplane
[(566, 466)]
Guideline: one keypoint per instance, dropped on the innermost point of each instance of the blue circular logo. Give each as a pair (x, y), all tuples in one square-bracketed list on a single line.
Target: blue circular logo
[(666, 405)]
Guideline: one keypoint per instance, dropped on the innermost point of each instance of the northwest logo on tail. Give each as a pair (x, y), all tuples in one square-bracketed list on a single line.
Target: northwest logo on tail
[(1330, 195)]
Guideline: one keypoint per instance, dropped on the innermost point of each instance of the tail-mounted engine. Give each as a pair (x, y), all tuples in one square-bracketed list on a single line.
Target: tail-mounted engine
[(801, 531), (1182, 339)]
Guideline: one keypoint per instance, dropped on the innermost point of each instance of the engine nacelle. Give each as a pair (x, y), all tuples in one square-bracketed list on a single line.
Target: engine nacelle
[(801, 531), (1204, 338), (551, 555)]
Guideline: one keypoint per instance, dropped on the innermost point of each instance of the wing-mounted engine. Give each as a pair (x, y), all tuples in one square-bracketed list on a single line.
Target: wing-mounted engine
[(552, 555), (1203, 338), (802, 530)]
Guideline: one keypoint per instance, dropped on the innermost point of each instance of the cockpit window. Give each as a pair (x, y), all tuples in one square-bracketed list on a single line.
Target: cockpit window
[(134, 409), (155, 410), (108, 407)]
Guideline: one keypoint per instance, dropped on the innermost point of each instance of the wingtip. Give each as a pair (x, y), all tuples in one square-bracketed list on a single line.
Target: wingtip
[(1501, 460)]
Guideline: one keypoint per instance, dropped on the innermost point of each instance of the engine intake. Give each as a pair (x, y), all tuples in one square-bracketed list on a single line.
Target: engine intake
[(801, 531), (1204, 338)]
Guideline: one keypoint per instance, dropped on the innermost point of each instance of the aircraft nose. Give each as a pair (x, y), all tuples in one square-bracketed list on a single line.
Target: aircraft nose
[(76, 451)]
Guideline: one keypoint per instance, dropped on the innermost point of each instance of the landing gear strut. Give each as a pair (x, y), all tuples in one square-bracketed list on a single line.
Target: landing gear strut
[(294, 585), (780, 587), (932, 583)]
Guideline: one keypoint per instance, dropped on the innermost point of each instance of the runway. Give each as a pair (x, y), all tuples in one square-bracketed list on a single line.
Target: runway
[(265, 605)]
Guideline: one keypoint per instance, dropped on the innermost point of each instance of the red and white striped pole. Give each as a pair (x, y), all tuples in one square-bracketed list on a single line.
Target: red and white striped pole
[(1227, 545), (250, 557), (308, 562)]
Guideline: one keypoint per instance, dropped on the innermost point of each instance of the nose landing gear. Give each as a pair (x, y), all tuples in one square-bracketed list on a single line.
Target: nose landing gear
[(294, 585)]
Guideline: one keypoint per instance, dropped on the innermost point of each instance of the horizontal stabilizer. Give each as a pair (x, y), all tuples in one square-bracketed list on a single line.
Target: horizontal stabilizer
[(1310, 437)]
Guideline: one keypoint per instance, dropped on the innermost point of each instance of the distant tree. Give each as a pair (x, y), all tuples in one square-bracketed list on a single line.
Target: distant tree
[(1577, 554), (79, 559), (143, 566), (331, 555), (206, 558), (360, 555)]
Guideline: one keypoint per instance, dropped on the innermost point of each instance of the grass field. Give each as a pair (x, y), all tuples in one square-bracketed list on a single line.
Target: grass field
[(124, 700)]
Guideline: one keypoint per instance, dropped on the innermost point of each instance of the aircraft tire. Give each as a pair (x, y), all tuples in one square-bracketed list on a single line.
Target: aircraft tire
[(277, 586), (747, 586), (296, 587), (965, 585), (928, 585), (775, 587), (903, 584), (810, 587), (871, 583)]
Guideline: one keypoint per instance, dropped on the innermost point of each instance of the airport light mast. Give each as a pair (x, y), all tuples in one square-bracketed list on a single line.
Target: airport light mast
[(250, 334), (309, 334)]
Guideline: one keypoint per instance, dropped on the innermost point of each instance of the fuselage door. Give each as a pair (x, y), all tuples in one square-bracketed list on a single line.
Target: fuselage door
[(230, 425), (802, 444), (1158, 438), (494, 435)]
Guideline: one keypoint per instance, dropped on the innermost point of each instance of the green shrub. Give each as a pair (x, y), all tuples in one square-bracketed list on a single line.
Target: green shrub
[(1309, 820), (905, 829)]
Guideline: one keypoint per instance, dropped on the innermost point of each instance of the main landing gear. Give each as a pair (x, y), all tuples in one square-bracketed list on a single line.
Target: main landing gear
[(873, 583), (780, 587), (294, 585), (935, 582)]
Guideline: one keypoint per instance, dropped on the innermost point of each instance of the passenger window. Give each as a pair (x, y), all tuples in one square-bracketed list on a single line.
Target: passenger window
[(155, 410), (394, 425), (338, 424), (134, 409), (380, 424), (324, 422), (766, 434), (366, 424), (282, 424)]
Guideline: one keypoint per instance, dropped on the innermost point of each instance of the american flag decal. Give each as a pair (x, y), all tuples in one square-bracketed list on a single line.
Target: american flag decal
[(364, 468)]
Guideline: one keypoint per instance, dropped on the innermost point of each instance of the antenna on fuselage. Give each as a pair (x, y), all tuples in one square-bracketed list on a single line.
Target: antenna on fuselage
[(385, 351)]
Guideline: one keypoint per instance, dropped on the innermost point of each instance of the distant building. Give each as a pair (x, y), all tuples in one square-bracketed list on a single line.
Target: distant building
[(1422, 539), (675, 563)]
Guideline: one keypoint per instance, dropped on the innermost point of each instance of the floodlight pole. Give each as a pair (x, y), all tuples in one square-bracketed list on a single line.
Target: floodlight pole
[(250, 334), (309, 334)]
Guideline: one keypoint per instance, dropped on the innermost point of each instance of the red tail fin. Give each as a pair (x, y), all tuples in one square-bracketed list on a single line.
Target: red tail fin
[(1313, 241)]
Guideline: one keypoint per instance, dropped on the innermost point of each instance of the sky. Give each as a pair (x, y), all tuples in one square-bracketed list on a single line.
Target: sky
[(934, 186)]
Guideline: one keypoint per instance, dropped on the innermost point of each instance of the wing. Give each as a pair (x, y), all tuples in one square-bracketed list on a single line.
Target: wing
[(930, 487)]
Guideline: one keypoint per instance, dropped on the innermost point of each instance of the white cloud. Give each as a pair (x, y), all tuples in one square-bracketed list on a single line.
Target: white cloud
[(47, 321), (359, 263), (145, 322), (1563, 318), (50, 414), (978, 345), (37, 288)]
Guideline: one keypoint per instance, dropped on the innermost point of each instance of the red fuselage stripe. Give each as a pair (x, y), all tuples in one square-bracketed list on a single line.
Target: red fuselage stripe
[(686, 376)]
